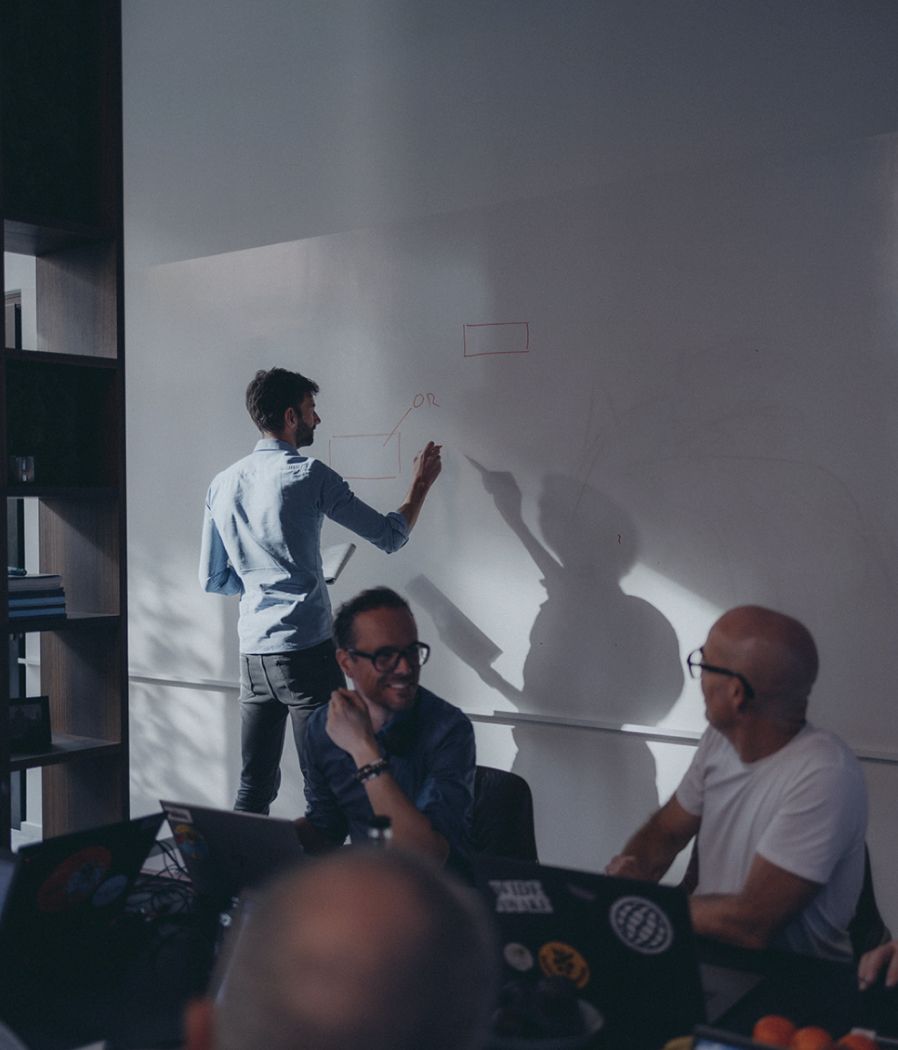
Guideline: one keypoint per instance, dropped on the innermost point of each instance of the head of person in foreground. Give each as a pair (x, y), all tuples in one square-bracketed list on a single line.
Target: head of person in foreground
[(363, 948)]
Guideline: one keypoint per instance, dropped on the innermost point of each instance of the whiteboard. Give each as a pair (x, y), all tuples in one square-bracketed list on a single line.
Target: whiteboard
[(656, 399)]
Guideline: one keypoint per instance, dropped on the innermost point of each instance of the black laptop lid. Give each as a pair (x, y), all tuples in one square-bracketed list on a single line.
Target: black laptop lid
[(68, 890), (627, 945), (225, 851)]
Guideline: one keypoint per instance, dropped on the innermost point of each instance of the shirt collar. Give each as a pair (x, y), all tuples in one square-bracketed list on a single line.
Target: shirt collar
[(273, 445)]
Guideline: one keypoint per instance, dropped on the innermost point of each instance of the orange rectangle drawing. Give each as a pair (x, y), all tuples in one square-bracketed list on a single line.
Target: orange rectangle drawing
[(368, 457), (497, 337)]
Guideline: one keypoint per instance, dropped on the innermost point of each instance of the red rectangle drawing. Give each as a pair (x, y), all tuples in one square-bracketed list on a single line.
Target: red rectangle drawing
[(497, 337), (368, 457)]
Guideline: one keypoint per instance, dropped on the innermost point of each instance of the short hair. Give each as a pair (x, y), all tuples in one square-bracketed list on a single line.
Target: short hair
[(373, 598), (317, 965), (271, 393)]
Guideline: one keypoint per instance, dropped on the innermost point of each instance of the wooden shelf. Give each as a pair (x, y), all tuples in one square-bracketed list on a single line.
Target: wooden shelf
[(75, 621), (36, 236), (51, 359), (34, 490), (65, 748), (63, 399)]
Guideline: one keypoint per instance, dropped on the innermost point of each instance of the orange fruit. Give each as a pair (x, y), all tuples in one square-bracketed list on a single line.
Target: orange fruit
[(857, 1041), (811, 1038), (773, 1030)]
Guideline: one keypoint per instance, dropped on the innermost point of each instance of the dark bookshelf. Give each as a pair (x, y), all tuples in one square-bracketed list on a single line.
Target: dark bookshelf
[(63, 398)]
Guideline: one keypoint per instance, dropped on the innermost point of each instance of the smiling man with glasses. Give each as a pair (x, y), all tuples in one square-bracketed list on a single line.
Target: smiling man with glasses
[(387, 746), (778, 806)]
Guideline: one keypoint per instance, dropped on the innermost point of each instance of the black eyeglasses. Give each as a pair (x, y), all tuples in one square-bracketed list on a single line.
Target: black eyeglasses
[(696, 665), (387, 658)]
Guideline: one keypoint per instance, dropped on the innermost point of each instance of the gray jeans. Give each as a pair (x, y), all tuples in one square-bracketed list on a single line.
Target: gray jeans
[(271, 687)]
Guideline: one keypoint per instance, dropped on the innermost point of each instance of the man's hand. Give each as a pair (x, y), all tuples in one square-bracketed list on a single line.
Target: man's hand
[(427, 465), (349, 726), (426, 470), (873, 962), (626, 866), (651, 851)]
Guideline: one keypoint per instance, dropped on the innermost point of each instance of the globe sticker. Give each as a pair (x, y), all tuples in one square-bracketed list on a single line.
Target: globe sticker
[(641, 925), (518, 956), (558, 959)]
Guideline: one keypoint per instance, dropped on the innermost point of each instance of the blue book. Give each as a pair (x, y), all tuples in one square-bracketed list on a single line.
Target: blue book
[(53, 598), (36, 613)]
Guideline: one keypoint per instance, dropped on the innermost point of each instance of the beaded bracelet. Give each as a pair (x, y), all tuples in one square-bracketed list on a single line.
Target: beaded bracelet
[(372, 770)]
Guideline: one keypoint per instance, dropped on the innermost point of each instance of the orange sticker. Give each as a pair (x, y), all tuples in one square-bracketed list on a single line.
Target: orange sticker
[(558, 959)]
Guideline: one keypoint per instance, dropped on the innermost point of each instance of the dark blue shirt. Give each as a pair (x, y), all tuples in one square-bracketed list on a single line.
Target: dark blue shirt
[(430, 749)]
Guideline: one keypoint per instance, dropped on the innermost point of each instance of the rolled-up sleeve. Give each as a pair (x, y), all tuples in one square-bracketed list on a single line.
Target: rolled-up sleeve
[(446, 797), (389, 532), (215, 572)]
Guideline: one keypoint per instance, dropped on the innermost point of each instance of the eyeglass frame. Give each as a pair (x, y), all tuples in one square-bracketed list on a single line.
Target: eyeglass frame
[(692, 664), (421, 651)]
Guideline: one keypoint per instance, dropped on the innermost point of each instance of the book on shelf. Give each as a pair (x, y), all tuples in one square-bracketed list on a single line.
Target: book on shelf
[(38, 601), (36, 612), (33, 581), (31, 598)]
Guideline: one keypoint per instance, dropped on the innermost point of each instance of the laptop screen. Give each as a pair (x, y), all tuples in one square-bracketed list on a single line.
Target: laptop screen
[(627, 946)]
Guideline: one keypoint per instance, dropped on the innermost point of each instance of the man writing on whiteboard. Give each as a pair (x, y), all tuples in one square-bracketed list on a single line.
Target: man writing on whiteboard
[(779, 806), (261, 540)]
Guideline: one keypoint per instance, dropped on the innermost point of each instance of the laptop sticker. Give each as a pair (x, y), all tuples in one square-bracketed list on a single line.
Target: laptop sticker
[(74, 880), (558, 959), (189, 841), (518, 956), (109, 891), (641, 925), (519, 895)]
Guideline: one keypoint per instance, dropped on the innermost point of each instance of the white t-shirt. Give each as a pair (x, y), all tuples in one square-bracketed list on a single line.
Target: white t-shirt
[(803, 808)]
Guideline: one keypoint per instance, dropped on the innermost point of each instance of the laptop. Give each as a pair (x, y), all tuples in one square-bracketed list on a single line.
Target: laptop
[(628, 946), (226, 852), (66, 894)]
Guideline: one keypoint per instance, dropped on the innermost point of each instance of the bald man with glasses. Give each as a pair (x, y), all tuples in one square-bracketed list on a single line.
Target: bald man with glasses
[(387, 746), (778, 806)]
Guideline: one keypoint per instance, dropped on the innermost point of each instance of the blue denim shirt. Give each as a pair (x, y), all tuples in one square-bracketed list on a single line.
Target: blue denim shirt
[(262, 540), (430, 748)]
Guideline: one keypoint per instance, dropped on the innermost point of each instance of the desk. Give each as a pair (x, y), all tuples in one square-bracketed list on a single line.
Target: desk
[(806, 990), (140, 1005)]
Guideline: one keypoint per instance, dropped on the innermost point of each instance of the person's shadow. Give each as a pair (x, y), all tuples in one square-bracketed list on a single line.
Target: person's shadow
[(596, 655)]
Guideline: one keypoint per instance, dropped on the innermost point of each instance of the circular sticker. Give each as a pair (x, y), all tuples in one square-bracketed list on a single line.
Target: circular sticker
[(190, 842), (558, 959), (74, 880), (641, 925), (518, 956), (109, 891)]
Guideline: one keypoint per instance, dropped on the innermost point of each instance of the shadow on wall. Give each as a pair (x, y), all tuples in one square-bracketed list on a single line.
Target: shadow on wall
[(185, 732), (185, 729), (596, 653), (181, 746)]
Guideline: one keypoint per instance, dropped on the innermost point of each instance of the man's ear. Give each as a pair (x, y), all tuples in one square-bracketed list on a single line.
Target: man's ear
[(344, 661), (199, 1025)]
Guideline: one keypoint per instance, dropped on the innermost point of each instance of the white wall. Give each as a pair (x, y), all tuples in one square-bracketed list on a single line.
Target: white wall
[(691, 206)]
